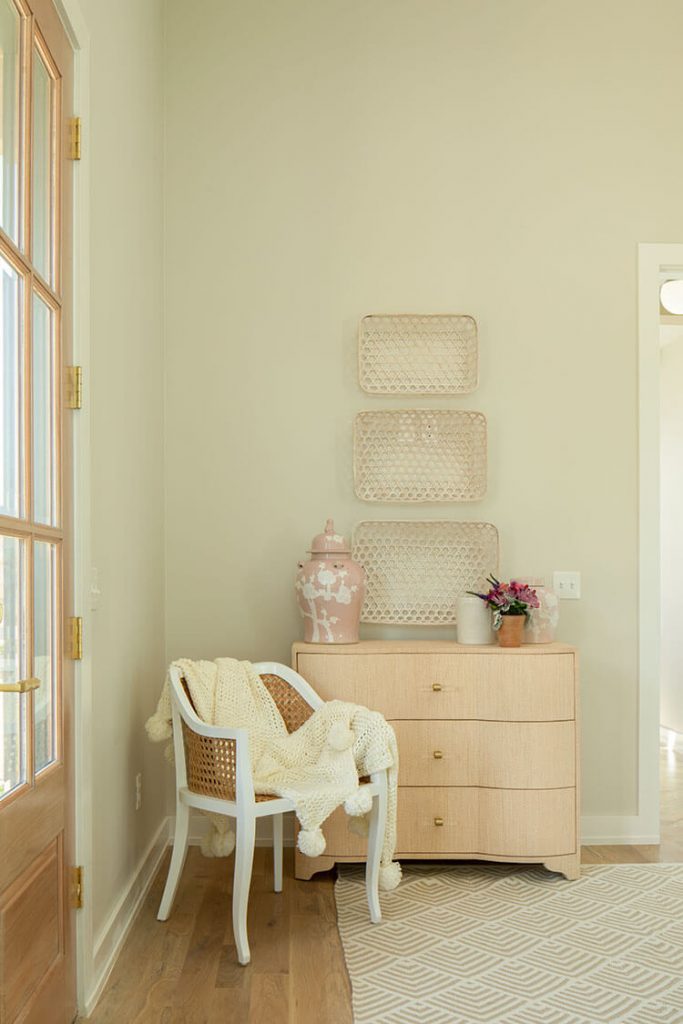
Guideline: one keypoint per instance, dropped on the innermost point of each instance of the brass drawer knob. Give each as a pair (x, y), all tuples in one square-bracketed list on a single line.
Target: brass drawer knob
[(437, 687), (438, 754), (438, 821)]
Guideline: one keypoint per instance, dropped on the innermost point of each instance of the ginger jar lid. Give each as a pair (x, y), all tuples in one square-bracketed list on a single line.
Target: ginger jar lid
[(329, 542)]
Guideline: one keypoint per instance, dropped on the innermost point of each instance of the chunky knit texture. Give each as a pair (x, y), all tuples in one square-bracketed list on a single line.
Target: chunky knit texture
[(317, 766)]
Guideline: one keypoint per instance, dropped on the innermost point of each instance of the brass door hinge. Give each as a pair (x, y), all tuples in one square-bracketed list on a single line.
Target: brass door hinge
[(75, 638), (76, 888), (74, 387), (74, 138)]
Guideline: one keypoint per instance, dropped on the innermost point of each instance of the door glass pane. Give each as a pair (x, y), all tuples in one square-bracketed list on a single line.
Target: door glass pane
[(11, 364), (9, 118), (42, 170), (45, 650), (12, 664), (44, 414)]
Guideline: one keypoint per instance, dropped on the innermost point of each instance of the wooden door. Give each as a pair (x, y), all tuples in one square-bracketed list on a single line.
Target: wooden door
[(37, 968)]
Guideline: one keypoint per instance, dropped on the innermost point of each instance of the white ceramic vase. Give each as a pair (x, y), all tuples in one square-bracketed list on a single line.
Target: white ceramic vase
[(473, 621)]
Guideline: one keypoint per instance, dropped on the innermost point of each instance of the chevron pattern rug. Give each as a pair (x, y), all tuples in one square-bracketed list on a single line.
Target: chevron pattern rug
[(496, 944)]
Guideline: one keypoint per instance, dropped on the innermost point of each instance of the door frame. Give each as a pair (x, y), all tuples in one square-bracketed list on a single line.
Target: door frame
[(652, 256), (76, 29)]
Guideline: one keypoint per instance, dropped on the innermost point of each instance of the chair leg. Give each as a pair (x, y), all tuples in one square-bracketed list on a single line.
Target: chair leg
[(182, 827), (277, 852), (378, 819), (244, 858)]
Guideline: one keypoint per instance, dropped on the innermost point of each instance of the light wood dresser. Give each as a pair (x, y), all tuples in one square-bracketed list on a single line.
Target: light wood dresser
[(488, 747)]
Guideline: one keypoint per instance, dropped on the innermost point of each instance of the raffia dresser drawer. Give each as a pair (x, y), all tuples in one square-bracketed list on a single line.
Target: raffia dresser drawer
[(433, 686), (499, 824), (504, 755), (488, 747), (491, 822)]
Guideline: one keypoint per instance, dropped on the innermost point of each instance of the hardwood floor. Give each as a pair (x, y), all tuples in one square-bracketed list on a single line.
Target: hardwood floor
[(185, 971)]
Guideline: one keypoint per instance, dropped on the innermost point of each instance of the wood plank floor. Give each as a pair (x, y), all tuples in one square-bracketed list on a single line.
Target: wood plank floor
[(185, 971)]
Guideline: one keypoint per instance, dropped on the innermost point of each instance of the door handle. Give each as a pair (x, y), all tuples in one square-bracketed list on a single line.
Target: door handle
[(23, 686)]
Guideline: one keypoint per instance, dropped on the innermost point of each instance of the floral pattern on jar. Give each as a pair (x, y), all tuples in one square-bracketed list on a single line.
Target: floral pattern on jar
[(330, 589)]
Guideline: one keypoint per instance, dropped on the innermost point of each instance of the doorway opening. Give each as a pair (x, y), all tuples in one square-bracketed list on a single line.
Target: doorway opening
[(660, 349), (671, 559)]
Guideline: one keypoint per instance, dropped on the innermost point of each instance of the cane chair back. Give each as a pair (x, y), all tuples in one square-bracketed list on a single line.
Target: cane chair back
[(211, 762)]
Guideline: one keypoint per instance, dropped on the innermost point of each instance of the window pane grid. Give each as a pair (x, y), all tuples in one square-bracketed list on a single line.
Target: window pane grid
[(30, 399)]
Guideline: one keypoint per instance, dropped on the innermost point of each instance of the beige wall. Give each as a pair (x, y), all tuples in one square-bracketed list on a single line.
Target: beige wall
[(672, 518), (327, 160), (125, 134)]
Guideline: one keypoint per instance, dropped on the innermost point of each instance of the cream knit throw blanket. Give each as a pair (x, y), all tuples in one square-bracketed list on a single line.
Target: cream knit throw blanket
[(317, 767)]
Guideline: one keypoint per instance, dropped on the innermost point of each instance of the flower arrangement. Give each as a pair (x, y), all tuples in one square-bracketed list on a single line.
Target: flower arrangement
[(511, 598)]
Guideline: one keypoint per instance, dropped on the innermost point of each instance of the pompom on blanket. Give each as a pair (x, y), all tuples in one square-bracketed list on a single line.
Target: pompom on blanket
[(317, 766)]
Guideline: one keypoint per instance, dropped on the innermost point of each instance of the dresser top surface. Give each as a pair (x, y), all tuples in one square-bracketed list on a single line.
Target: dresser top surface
[(430, 647)]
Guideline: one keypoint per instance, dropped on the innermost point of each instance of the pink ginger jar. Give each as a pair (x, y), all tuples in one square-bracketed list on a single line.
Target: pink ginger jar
[(330, 589)]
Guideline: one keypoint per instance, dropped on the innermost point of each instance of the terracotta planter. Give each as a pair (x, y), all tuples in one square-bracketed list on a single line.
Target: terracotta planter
[(511, 630)]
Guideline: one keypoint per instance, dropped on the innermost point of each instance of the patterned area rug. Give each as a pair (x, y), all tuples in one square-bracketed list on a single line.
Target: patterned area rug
[(472, 943)]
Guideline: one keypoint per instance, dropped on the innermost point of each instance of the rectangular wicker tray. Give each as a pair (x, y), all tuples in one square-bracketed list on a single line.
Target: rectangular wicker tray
[(414, 354), (417, 570), (419, 455)]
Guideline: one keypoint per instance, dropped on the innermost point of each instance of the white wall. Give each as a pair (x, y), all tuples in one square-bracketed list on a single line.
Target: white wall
[(672, 525), (327, 160), (124, 133)]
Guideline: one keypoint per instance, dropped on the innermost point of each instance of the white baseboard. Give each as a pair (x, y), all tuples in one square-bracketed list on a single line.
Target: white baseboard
[(621, 830), (112, 935)]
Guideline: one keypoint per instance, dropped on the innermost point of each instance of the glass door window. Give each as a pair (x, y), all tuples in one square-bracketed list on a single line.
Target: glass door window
[(31, 537)]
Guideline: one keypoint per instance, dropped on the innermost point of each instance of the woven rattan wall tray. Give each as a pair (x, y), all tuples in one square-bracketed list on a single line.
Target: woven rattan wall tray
[(406, 354), (419, 455), (417, 570)]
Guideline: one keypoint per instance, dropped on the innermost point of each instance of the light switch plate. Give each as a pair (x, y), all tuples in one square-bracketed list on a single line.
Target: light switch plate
[(567, 585)]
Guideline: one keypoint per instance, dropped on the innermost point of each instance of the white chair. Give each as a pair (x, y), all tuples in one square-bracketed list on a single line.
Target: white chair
[(213, 773)]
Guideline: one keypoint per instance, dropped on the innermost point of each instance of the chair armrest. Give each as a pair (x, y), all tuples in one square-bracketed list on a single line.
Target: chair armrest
[(211, 760), (213, 731)]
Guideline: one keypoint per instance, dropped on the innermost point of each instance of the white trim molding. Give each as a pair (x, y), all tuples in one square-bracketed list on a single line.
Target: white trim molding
[(75, 25), (652, 257), (616, 830)]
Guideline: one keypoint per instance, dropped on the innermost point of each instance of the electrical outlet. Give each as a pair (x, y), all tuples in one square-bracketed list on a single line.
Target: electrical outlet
[(138, 791), (567, 585)]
